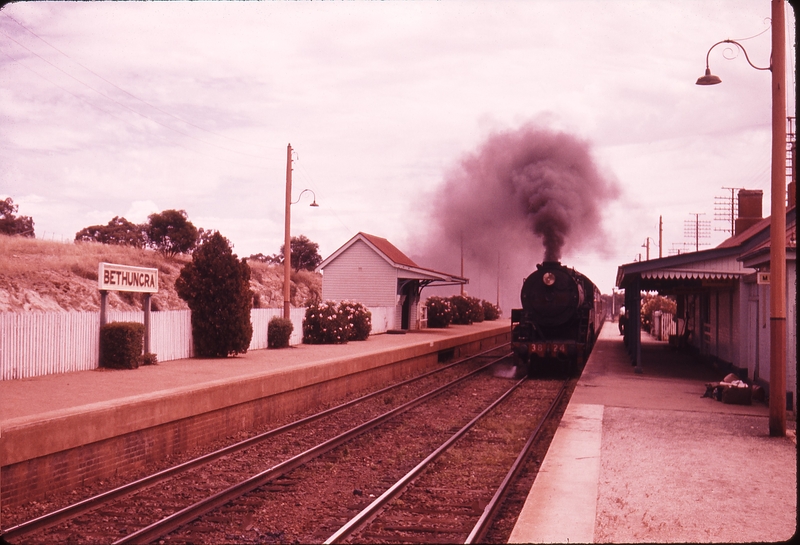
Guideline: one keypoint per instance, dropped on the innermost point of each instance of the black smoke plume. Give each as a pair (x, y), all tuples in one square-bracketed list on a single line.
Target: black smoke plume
[(523, 197)]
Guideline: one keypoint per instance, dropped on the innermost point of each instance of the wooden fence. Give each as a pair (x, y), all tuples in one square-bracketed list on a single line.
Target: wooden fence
[(35, 344), (663, 325)]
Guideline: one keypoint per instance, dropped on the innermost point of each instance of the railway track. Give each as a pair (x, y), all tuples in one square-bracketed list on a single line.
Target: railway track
[(424, 506), (127, 510)]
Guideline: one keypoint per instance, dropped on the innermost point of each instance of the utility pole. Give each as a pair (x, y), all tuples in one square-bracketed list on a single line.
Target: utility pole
[(725, 208), (660, 237), (701, 229), (777, 229), (498, 280), (462, 262), (287, 241)]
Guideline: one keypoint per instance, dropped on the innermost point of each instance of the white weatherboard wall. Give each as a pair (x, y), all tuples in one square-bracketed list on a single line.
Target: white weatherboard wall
[(360, 274), (35, 344)]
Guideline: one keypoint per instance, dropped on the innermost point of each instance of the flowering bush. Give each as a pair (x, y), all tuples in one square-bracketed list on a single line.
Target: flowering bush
[(440, 313), (465, 309), (325, 323), (279, 331), (359, 320), (490, 312), (652, 303), (476, 313)]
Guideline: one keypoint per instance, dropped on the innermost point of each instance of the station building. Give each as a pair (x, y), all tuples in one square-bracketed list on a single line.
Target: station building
[(723, 303), (372, 271)]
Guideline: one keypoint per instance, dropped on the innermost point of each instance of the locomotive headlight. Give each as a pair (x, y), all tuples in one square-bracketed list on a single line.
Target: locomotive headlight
[(549, 279)]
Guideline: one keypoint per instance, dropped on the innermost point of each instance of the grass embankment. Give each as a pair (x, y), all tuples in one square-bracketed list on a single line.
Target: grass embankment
[(49, 276)]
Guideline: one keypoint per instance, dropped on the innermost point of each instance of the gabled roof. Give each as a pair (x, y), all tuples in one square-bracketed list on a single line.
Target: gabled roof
[(389, 250), (405, 265), (759, 254)]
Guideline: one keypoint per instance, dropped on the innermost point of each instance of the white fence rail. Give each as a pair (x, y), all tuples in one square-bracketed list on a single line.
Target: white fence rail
[(35, 344)]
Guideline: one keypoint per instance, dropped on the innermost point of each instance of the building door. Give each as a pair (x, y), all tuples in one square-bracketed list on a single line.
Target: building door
[(409, 295)]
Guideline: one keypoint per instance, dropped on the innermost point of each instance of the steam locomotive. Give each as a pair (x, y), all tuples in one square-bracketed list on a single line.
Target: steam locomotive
[(561, 315)]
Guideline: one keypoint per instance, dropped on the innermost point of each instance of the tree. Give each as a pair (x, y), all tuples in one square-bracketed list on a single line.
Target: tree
[(171, 232), (12, 225), (305, 254), (274, 259), (118, 231), (216, 285)]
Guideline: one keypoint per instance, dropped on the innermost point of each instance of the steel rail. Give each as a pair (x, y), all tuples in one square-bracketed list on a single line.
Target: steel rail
[(93, 502), (373, 509), (198, 509), (490, 511)]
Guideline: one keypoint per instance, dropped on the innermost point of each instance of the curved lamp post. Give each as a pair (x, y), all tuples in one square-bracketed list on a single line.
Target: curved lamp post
[(710, 79), (287, 241), (777, 254)]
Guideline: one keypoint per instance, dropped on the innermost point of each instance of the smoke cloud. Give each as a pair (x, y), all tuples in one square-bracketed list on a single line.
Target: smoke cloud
[(523, 197)]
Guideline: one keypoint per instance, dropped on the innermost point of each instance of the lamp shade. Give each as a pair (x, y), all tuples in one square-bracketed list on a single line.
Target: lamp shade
[(708, 79)]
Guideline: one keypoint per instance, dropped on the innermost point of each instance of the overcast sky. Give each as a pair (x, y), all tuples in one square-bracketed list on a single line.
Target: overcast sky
[(124, 109)]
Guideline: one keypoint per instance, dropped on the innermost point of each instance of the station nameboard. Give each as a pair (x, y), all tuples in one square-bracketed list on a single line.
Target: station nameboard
[(111, 277)]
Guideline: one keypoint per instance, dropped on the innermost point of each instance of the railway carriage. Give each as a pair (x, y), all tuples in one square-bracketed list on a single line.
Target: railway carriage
[(561, 315)]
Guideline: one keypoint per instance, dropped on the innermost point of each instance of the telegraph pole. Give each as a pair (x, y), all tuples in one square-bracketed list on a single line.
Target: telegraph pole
[(498, 280), (462, 262), (777, 229), (660, 237), (287, 246)]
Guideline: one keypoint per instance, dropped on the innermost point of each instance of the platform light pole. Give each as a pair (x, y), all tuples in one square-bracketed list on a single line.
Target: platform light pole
[(287, 238), (777, 253)]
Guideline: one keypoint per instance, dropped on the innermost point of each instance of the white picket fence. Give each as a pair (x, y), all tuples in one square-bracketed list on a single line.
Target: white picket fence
[(663, 325), (36, 344)]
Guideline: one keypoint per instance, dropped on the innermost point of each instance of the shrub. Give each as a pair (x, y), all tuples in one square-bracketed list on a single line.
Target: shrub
[(279, 331), (216, 285), (652, 303), (475, 309), (359, 320), (462, 309), (440, 313), (490, 312), (148, 358), (324, 323), (121, 345)]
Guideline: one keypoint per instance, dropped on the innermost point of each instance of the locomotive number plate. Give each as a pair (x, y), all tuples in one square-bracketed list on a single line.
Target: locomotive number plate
[(548, 349)]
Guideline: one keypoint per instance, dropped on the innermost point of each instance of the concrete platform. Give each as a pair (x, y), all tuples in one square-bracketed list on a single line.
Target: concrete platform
[(60, 431), (645, 458)]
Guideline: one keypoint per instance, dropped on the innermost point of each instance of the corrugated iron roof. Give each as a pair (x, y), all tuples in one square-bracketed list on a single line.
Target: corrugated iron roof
[(389, 250)]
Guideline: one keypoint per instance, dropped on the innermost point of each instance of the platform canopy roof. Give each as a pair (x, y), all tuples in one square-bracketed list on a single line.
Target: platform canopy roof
[(715, 267), (693, 270), (405, 266)]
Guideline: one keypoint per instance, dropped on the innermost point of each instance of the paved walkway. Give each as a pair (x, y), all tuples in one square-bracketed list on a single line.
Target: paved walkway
[(40, 397), (645, 458)]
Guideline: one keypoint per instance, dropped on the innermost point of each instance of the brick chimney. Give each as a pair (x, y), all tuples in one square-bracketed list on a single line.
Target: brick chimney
[(749, 209)]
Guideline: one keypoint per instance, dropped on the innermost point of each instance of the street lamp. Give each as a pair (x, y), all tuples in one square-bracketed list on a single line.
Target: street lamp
[(647, 245), (709, 78), (287, 240), (777, 254)]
